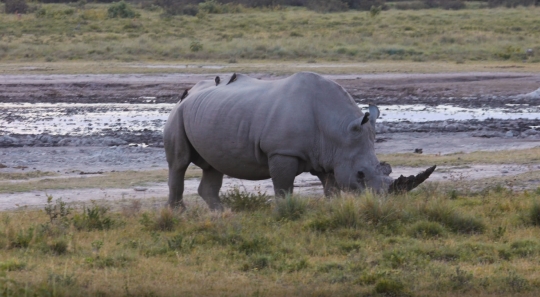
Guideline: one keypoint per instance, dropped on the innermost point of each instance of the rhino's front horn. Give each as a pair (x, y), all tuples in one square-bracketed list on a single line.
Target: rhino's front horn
[(405, 184)]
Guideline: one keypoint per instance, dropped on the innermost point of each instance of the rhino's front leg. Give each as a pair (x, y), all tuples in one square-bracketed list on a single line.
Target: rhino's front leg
[(283, 170), (329, 183)]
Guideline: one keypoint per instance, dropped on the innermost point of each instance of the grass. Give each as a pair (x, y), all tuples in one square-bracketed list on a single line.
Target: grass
[(525, 156), (61, 33), (416, 251), (123, 179)]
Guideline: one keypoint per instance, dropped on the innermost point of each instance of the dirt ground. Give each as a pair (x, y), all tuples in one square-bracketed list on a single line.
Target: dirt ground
[(481, 90)]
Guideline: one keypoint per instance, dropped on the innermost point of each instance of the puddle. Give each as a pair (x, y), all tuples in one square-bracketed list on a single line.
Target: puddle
[(82, 119), (92, 119), (424, 113)]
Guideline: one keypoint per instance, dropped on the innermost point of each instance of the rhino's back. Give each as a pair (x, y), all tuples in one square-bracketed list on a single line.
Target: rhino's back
[(236, 127)]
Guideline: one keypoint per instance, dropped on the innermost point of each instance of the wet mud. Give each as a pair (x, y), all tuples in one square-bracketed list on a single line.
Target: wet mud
[(71, 124)]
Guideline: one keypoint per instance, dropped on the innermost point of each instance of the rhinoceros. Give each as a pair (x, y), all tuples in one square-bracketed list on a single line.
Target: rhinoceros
[(256, 129)]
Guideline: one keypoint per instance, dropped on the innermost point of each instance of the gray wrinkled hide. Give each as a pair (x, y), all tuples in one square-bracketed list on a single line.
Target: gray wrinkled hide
[(253, 129)]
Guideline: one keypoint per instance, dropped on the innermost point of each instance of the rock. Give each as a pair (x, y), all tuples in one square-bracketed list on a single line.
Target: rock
[(509, 134), (451, 127), (486, 134), (6, 141), (530, 132), (110, 141), (418, 151), (140, 189)]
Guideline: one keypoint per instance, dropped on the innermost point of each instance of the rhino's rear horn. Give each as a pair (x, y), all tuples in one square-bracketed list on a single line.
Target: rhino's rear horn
[(405, 184)]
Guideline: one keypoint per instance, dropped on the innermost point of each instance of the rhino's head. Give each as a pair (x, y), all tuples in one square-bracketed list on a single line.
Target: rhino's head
[(358, 168)]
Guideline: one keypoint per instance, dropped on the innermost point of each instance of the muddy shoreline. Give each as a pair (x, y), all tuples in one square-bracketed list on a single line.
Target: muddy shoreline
[(464, 90), (129, 112)]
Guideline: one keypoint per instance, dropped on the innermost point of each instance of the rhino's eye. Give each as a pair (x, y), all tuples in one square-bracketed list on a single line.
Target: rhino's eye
[(360, 175)]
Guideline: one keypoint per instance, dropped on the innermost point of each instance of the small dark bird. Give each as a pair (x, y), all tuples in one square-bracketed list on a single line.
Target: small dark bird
[(184, 95), (366, 118), (233, 78), (217, 80)]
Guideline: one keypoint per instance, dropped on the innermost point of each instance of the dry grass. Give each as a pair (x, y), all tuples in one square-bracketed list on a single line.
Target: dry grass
[(525, 156), (122, 179), (60, 33), (24, 175), (277, 68), (257, 253)]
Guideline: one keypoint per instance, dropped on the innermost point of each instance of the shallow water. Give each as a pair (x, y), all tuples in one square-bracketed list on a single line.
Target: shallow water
[(94, 119), (423, 113)]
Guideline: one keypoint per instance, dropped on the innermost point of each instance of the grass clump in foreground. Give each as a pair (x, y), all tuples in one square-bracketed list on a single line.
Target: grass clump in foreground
[(424, 243)]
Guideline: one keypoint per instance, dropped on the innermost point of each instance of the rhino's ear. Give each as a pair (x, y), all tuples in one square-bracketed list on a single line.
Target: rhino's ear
[(356, 125), (374, 112)]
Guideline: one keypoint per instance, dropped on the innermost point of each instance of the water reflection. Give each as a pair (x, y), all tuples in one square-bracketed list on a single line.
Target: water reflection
[(93, 119)]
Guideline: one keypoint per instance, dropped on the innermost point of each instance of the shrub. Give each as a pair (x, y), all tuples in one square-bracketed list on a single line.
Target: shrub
[(15, 6), (121, 10), (326, 5), (389, 287), (461, 280), (290, 208), (93, 218), (512, 3), (346, 214), (257, 262), (425, 229), (534, 213), (446, 4), (453, 220), (58, 246), (109, 261), (177, 7), (23, 238), (516, 282), (58, 213), (196, 46), (525, 248), (12, 265), (379, 210), (366, 5), (241, 200), (165, 221)]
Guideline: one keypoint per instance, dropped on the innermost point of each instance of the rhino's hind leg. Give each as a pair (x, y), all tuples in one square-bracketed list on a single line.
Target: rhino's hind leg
[(209, 187), (176, 185), (283, 170)]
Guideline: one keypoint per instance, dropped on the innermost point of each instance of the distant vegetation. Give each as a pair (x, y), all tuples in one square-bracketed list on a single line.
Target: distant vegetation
[(167, 30), (436, 241), (182, 6)]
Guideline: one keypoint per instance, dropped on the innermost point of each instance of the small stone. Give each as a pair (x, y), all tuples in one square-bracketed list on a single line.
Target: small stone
[(140, 189)]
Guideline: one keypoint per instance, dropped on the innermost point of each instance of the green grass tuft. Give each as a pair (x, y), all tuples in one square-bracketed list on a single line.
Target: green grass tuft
[(290, 208)]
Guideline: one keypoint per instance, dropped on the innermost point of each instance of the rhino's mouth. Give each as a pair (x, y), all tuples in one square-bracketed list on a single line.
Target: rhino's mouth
[(405, 184)]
